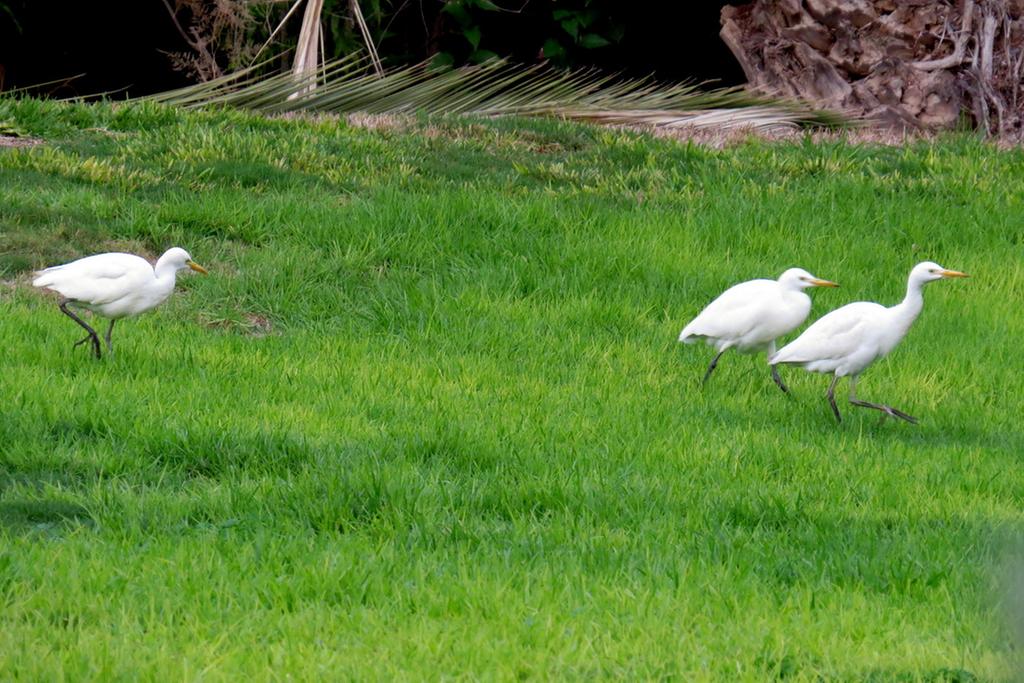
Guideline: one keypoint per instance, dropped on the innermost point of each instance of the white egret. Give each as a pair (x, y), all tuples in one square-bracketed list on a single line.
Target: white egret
[(750, 316), (114, 286), (849, 339)]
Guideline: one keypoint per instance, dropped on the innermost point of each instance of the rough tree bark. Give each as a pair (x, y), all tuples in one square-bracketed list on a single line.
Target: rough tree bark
[(901, 63)]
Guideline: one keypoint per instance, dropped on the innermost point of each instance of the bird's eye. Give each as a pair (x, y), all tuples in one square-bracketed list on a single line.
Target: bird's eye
[(932, 270)]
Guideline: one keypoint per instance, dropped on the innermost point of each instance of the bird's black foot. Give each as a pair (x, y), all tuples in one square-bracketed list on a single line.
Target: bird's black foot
[(711, 368), (832, 399), (93, 337), (887, 410), (95, 345), (835, 411), (778, 380)]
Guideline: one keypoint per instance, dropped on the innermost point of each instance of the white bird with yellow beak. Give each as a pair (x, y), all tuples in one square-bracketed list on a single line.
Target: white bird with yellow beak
[(114, 286), (849, 339), (750, 316)]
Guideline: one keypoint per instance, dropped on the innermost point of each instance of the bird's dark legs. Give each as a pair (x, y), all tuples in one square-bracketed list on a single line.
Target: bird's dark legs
[(92, 333), (110, 347), (778, 380), (775, 370), (832, 398), (886, 410), (711, 368)]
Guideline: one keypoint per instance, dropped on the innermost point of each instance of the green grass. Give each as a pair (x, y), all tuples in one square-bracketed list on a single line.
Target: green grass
[(427, 417)]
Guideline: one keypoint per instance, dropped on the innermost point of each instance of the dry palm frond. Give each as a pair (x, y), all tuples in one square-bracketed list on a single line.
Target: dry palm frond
[(496, 88), (766, 119), (273, 34), (307, 52), (364, 29)]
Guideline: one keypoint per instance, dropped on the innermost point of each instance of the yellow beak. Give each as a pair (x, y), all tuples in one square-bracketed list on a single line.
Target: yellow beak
[(196, 267), (952, 273), (823, 283)]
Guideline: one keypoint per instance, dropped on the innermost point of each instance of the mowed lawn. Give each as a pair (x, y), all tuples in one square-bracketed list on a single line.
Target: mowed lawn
[(427, 416)]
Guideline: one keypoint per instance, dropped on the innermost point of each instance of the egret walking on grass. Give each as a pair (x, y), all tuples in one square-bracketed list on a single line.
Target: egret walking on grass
[(114, 286), (849, 339), (750, 316)]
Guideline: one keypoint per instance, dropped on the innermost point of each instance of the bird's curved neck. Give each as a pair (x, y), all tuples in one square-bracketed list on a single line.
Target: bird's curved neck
[(796, 295), (790, 286), (906, 311), (164, 270)]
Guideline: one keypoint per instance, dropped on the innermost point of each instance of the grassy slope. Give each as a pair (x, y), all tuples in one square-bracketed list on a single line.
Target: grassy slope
[(469, 442)]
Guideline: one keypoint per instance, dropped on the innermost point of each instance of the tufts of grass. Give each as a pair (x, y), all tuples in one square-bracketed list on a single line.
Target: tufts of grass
[(427, 417)]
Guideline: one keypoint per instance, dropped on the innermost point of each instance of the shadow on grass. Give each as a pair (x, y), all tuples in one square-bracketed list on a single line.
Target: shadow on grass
[(37, 475), (793, 667), (25, 516), (811, 412), (185, 449), (216, 453)]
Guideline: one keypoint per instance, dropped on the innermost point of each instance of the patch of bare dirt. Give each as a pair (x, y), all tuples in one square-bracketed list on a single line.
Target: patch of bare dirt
[(9, 141), (397, 122), (250, 324), (259, 325), (729, 137), (7, 288)]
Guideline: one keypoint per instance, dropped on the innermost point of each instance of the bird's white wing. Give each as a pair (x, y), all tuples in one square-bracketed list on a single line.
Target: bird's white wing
[(98, 279), (733, 313), (833, 336)]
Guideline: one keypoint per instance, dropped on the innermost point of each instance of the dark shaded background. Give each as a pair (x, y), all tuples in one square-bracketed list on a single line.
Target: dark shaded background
[(116, 44), (120, 45)]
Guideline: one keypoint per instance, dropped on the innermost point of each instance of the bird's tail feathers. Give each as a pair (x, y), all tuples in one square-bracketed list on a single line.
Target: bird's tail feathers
[(691, 333), (687, 336), (783, 356)]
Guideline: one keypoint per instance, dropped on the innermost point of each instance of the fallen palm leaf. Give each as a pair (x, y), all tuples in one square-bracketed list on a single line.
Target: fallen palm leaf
[(496, 88)]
